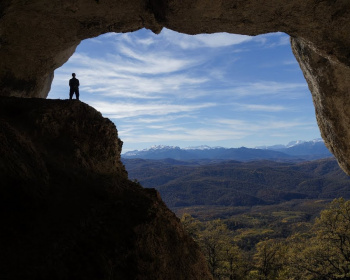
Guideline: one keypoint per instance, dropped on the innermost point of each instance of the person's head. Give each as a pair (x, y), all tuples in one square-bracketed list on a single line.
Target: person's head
[(73, 74)]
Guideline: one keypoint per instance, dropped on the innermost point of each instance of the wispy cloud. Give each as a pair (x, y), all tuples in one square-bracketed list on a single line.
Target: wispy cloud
[(272, 40), (262, 125), (216, 130), (178, 88), (152, 63), (215, 40), (187, 135), (121, 78), (127, 110), (268, 88), (168, 119), (262, 108), (290, 62)]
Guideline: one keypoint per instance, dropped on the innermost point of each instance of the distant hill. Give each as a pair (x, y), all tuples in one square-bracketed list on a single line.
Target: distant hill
[(295, 151), (312, 148), (232, 183)]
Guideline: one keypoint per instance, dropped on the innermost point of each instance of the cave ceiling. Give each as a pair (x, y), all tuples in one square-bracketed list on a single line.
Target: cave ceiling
[(37, 37)]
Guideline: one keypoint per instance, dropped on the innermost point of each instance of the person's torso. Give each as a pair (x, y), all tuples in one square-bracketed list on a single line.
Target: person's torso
[(74, 82)]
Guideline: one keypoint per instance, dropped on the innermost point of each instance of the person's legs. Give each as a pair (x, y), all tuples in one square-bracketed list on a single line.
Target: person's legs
[(71, 93), (77, 93)]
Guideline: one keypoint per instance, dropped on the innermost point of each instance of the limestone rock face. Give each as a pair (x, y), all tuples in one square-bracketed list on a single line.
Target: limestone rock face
[(68, 210), (330, 90), (36, 37), (39, 36)]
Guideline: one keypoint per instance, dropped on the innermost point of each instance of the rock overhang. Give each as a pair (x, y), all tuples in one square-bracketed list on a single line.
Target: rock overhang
[(39, 36)]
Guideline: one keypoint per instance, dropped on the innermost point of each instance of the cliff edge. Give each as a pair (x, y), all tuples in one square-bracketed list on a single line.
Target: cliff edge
[(68, 210)]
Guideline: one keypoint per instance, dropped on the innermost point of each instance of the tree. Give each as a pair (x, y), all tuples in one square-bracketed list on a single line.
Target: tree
[(191, 225), (325, 252), (213, 240), (225, 259), (268, 259)]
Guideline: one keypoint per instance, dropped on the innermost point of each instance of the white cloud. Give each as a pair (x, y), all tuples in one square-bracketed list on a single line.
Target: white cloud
[(262, 125), (127, 110), (215, 130), (152, 63), (215, 40), (290, 62), (186, 135), (169, 119), (121, 78), (284, 40), (222, 39), (174, 87), (263, 108), (271, 40), (147, 41), (268, 88), (221, 128)]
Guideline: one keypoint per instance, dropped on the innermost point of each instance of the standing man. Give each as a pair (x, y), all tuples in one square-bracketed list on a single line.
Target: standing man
[(74, 87)]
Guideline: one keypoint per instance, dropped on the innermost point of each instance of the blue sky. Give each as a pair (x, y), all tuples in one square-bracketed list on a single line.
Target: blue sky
[(181, 90)]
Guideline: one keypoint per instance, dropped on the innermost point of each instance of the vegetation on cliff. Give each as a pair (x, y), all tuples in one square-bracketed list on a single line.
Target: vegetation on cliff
[(319, 249), (288, 229), (213, 184)]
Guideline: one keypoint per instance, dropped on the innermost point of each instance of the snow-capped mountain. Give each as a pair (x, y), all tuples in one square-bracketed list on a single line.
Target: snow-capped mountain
[(202, 147), (295, 150), (317, 141)]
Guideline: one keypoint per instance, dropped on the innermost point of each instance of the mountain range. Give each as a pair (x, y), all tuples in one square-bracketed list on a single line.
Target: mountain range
[(293, 151)]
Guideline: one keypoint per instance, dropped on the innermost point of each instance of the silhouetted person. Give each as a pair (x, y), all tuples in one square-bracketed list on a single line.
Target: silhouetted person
[(74, 87)]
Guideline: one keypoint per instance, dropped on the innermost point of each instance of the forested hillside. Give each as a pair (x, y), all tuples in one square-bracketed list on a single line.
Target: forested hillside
[(317, 249), (259, 220), (232, 183)]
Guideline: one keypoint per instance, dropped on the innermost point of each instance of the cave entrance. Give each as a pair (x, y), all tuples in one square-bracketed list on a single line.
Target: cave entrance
[(210, 89), (216, 90)]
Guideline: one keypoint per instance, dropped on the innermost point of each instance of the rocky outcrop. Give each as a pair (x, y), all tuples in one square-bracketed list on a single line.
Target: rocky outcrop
[(36, 37), (67, 209), (330, 87)]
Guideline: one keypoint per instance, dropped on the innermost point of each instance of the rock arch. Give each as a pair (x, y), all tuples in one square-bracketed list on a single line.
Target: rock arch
[(36, 37)]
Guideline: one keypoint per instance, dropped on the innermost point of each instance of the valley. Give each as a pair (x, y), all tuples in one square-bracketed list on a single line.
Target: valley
[(220, 185), (245, 215)]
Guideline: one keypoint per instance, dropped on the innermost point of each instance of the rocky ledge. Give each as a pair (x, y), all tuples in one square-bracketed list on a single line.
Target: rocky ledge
[(68, 210)]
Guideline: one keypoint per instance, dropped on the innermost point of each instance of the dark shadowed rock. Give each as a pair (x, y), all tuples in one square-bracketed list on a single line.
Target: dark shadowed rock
[(68, 210)]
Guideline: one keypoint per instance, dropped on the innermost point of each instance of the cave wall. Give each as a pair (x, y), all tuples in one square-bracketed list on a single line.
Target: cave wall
[(67, 208), (36, 37), (330, 88)]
